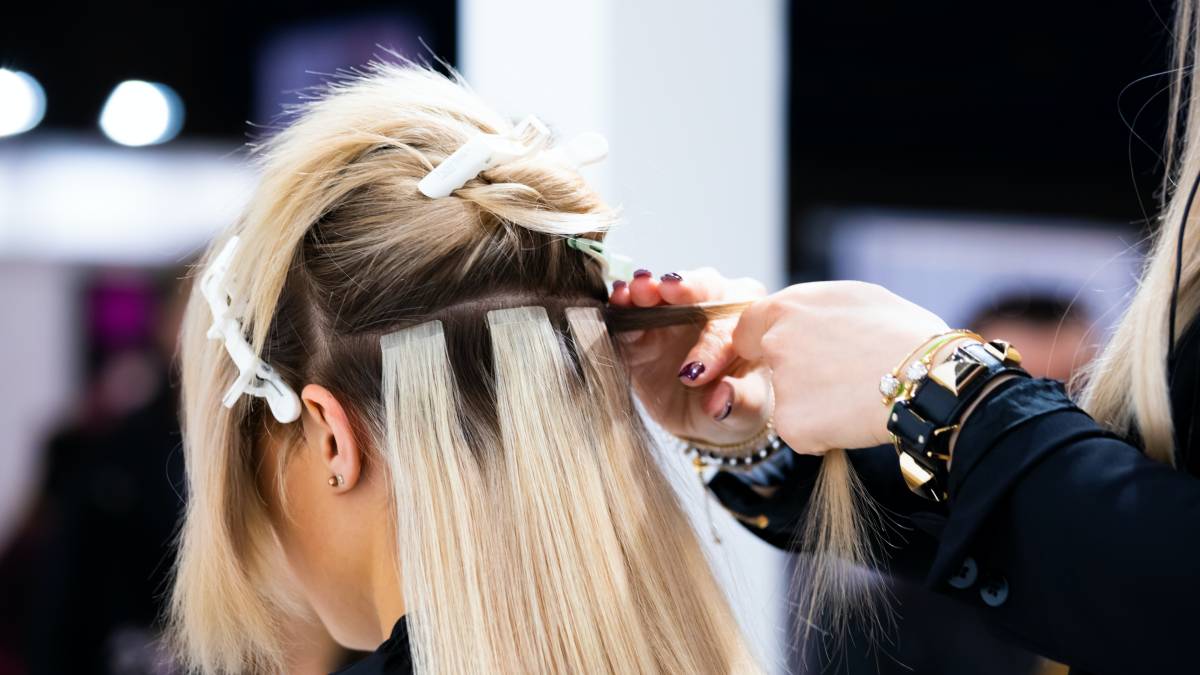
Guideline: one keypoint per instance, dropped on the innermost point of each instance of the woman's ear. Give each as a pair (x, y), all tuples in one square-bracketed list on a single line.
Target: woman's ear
[(328, 433)]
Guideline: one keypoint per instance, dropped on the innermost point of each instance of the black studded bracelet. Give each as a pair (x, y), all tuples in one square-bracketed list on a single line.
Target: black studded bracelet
[(922, 422)]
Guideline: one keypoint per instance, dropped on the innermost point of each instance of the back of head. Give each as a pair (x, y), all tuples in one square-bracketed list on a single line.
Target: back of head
[(534, 531)]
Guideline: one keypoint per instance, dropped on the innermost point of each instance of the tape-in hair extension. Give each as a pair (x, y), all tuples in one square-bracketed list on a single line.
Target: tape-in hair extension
[(438, 491)]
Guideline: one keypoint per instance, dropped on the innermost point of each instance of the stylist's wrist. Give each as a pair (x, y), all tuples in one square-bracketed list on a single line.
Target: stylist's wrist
[(944, 355)]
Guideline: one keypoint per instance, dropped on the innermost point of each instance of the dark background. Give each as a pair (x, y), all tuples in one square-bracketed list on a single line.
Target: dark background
[(1015, 107), (1012, 108), (205, 51)]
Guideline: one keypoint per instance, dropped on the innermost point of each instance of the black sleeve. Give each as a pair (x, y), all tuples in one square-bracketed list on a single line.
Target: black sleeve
[(1069, 537), (790, 478)]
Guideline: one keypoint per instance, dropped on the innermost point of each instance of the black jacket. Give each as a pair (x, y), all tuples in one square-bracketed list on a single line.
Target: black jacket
[(1069, 539)]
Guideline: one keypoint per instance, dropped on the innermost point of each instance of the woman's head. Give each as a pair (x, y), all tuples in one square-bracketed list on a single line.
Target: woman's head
[(467, 444)]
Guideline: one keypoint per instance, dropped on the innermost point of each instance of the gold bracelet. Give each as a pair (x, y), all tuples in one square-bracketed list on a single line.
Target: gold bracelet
[(739, 455), (892, 387), (916, 371), (754, 441)]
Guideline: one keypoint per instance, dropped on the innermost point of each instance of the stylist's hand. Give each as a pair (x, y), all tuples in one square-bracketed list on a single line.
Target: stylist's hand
[(827, 344), (688, 378)]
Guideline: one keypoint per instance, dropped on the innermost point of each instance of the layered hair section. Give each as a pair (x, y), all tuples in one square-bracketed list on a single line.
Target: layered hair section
[(558, 539)]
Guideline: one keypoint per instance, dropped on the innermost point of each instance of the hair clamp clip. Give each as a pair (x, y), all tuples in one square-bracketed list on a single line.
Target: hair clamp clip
[(483, 152), (255, 376), (616, 266)]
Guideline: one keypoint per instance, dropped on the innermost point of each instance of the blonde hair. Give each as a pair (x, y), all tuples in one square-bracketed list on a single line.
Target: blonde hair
[(535, 531), (1126, 388)]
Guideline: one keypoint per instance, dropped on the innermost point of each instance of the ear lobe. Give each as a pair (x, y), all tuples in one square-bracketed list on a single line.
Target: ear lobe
[(327, 431)]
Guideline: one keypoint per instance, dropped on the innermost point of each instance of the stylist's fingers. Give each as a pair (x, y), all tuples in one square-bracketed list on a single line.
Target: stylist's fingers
[(731, 409), (752, 327), (619, 297), (707, 285), (708, 359), (739, 404), (643, 290), (691, 287)]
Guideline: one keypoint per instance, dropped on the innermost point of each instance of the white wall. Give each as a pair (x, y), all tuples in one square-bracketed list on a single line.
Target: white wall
[(37, 350), (692, 99)]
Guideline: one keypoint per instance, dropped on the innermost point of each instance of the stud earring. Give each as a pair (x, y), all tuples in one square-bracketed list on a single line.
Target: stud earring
[(337, 480)]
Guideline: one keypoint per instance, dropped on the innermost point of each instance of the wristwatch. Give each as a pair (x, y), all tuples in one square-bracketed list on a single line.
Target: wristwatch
[(922, 422)]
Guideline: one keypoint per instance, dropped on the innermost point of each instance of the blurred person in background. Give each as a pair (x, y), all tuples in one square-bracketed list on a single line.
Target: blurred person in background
[(96, 551), (1053, 332), (87, 576)]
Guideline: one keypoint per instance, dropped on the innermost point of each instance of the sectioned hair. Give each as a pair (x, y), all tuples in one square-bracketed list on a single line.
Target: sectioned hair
[(535, 531)]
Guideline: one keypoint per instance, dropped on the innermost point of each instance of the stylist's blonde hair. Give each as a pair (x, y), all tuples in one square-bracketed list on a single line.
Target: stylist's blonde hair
[(1127, 386), (534, 530)]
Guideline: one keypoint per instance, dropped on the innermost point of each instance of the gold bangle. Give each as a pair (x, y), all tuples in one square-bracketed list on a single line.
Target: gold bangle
[(891, 387), (916, 371), (932, 356), (754, 441)]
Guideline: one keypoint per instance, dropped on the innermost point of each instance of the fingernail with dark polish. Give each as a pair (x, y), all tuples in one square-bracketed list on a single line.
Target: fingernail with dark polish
[(618, 284), (671, 276), (692, 370), (725, 411), (641, 273)]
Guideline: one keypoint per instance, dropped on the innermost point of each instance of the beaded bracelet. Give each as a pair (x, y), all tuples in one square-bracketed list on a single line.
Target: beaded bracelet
[(736, 456)]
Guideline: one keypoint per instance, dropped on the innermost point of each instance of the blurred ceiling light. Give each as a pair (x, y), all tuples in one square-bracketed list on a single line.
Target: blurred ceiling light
[(141, 113), (22, 102)]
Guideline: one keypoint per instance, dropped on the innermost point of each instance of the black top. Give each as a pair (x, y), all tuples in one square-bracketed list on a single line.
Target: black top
[(391, 658), (1071, 541)]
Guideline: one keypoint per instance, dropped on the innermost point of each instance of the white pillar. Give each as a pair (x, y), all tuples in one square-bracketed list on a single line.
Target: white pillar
[(691, 98)]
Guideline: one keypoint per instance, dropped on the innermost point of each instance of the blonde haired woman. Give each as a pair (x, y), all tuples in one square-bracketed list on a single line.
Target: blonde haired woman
[(404, 411), (1074, 527)]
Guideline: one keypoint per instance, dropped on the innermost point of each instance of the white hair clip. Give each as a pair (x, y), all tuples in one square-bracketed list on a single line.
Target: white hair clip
[(485, 151), (531, 136), (481, 153), (255, 376)]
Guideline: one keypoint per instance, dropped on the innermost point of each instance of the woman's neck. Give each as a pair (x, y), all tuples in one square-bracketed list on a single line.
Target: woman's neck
[(386, 592)]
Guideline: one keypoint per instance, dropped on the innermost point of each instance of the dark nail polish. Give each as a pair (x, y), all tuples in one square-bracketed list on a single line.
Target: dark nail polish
[(618, 284), (671, 276), (725, 411), (692, 370), (641, 273)]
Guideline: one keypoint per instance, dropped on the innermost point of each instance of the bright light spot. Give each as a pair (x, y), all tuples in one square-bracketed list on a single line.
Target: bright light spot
[(22, 102), (141, 113)]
